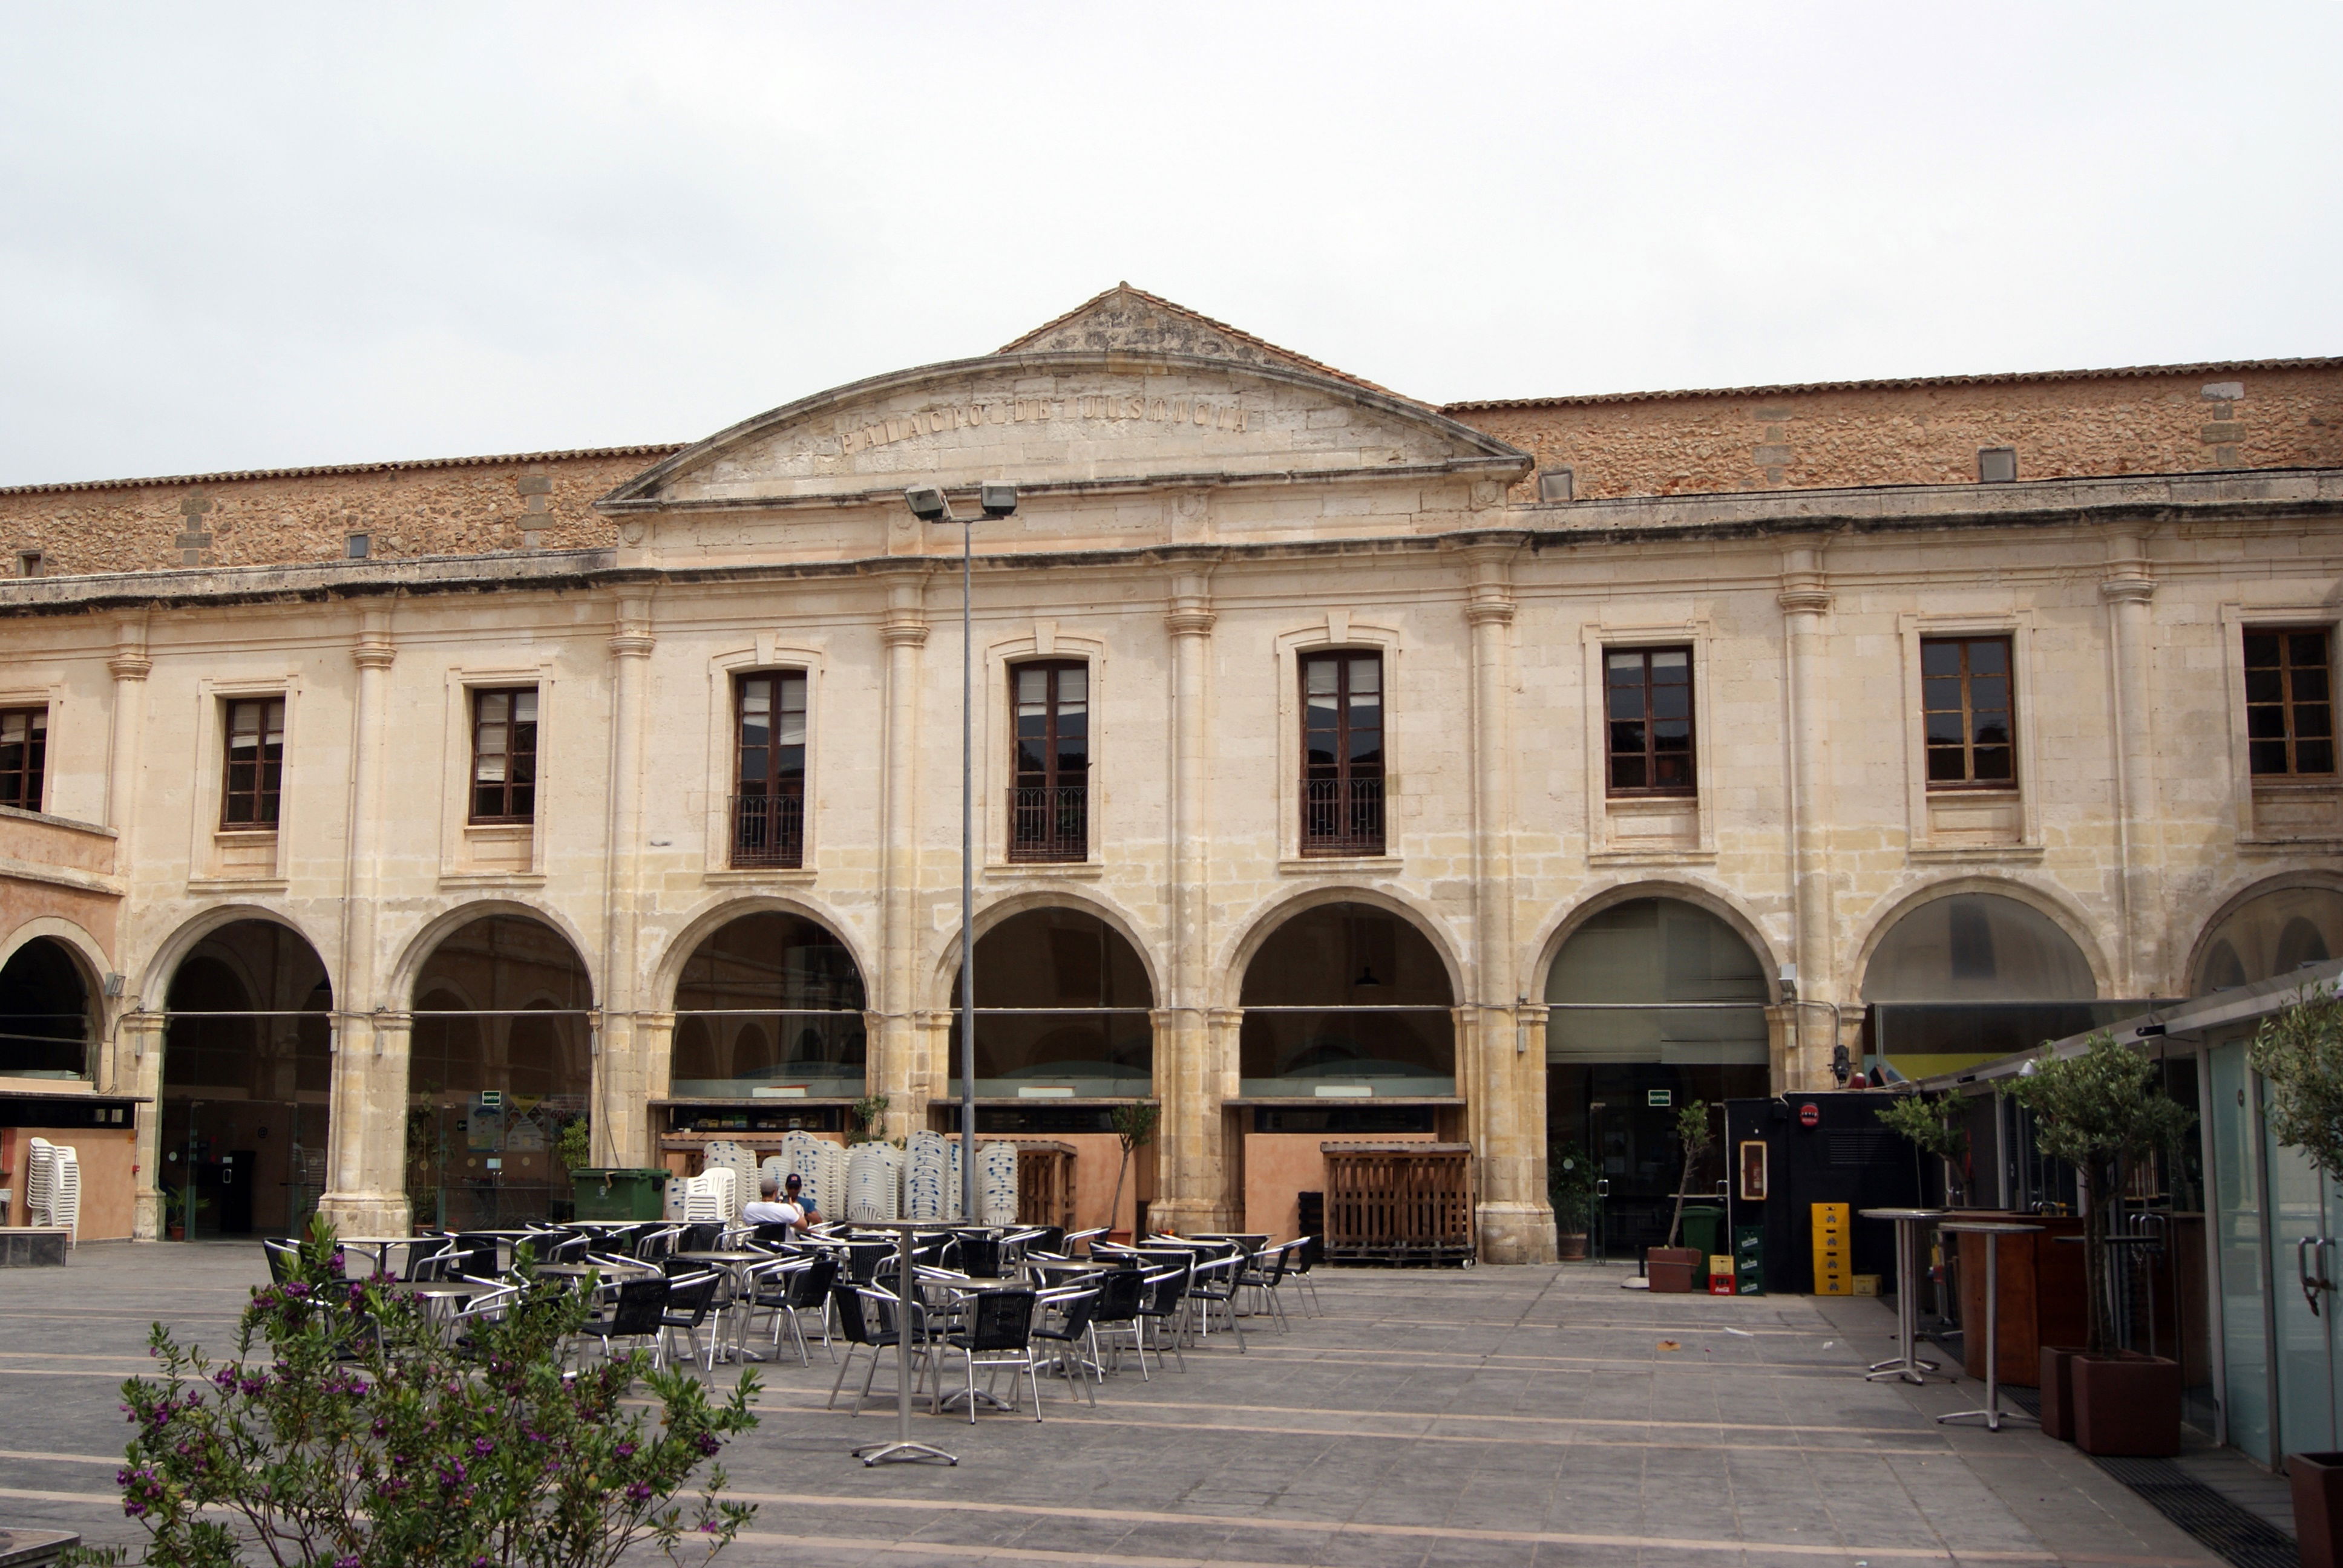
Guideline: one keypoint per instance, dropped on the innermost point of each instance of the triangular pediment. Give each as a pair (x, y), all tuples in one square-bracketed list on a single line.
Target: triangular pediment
[(1066, 420), (1131, 320)]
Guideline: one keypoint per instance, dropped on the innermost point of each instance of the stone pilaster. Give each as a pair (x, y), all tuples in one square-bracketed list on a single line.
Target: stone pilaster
[(616, 1060), (365, 1163), (630, 1081), (899, 1063), (1191, 1156), (1805, 602), (139, 1071), (2129, 591), (1508, 1088)]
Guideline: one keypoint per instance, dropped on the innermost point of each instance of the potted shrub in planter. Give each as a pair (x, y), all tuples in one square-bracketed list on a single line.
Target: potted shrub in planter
[(2299, 1054), (1674, 1267), (1570, 1188), (180, 1207), (1931, 1124), (2101, 1113)]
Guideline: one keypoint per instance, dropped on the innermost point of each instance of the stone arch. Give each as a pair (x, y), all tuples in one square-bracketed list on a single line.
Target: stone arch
[(738, 1021), (1566, 922), (2049, 903), (399, 985), (714, 914), (1228, 973), (2194, 977), (945, 970), (47, 977), (155, 978)]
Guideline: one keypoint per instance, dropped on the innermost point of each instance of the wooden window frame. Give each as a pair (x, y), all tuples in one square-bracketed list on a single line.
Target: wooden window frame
[(1650, 755), (265, 797), (2289, 708), (29, 776), (766, 828), (511, 726), (1048, 811), (1340, 793), (1969, 781)]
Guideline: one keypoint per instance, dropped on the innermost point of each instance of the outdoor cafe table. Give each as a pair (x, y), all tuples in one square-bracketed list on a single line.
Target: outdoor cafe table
[(902, 1449), (736, 1264), (1993, 1230), (1905, 1364), (376, 1248)]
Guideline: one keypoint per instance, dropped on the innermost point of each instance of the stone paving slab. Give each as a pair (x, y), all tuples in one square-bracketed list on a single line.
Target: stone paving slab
[(1505, 1416)]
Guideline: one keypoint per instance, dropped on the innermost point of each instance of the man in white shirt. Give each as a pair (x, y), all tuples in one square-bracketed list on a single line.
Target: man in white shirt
[(766, 1210)]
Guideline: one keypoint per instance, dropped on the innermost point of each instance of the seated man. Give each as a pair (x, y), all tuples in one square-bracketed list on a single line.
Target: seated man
[(765, 1211), (803, 1203)]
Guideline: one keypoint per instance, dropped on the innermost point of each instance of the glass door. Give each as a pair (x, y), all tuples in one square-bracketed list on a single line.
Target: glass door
[(2306, 1220)]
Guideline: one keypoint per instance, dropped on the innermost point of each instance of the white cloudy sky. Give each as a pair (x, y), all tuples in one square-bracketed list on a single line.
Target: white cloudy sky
[(243, 236)]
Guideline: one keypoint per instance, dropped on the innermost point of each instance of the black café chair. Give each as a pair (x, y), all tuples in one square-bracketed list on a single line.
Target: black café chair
[(801, 1290), (639, 1314), (998, 1334), (689, 1299), (850, 1303), (1120, 1294), (1077, 1357)]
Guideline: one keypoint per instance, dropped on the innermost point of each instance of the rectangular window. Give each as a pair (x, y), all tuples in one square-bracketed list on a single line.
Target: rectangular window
[(769, 726), (504, 755), (1968, 706), (1343, 754), (23, 756), (1647, 702), (2289, 718), (1049, 799), (255, 761)]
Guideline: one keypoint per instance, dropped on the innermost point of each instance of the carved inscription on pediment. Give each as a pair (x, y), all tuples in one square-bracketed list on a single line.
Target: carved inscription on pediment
[(1188, 413)]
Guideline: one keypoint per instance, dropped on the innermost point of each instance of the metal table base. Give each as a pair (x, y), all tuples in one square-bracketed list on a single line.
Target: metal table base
[(1906, 1365), (1993, 1230), (902, 1449)]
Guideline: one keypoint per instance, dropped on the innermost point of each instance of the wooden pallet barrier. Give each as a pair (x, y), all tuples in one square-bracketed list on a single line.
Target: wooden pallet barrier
[(1399, 1202)]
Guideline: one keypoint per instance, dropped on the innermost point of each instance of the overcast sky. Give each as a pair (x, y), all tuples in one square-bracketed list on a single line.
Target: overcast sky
[(250, 236)]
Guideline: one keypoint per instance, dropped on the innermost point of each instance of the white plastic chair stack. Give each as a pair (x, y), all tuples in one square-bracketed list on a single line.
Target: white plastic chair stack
[(708, 1196), (874, 1181), (65, 1197), (927, 1167), (801, 1157), (996, 1182), (833, 1198), (40, 1181), (723, 1154)]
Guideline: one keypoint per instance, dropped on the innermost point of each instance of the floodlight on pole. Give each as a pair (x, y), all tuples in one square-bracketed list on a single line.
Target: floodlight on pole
[(995, 500)]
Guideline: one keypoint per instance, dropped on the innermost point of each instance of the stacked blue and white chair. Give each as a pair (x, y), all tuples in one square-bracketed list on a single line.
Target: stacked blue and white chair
[(996, 1182), (927, 1172), (874, 1181), (723, 1154)]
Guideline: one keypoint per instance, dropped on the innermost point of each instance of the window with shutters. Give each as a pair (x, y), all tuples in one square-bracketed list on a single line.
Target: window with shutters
[(504, 755), (1968, 711), (1648, 709), (255, 731), (1049, 795), (1343, 753), (2289, 713), (769, 726), (23, 756)]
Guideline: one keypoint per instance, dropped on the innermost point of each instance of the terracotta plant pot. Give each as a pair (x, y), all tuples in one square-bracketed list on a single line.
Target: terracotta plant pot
[(1571, 1246), (2058, 1390), (176, 1233), (2318, 1480), (2127, 1406), (1671, 1269)]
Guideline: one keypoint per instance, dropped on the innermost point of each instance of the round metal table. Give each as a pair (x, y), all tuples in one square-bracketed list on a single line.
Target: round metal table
[(1993, 1230), (1906, 1364)]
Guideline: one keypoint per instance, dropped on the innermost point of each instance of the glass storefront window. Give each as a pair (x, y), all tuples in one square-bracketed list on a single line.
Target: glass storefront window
[(770, 1007), (1343, 1000)]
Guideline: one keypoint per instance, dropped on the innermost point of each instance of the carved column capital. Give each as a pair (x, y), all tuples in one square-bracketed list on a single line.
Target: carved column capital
[(129, 665), (2127, 589), (1190, 620), (1489, 611), (374, 655), (904, 630)]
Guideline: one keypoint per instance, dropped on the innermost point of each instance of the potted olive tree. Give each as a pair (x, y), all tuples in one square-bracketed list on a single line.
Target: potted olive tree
[(1135, 1128), (2101, 1112), (1674, 1267), (2299, 1054), (1570, 1188), (1931, 1124)]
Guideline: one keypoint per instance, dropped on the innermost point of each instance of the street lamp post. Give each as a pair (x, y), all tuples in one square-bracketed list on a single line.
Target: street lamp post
[(928, 504)]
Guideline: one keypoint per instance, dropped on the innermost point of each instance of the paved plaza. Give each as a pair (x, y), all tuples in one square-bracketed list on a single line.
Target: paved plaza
[(1494, 1415)]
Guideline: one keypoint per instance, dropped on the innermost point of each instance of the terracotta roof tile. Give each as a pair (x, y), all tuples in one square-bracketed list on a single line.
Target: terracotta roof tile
[(234, 476)]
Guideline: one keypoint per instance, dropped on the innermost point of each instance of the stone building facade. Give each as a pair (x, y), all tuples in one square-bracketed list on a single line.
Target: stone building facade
[(1342, 769)]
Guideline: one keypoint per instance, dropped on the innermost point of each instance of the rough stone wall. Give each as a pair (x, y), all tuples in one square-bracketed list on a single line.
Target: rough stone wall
[(2061, 428), (464, 507)]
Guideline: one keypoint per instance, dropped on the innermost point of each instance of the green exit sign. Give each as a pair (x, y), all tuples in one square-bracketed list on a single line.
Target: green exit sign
[(1663, 1098)]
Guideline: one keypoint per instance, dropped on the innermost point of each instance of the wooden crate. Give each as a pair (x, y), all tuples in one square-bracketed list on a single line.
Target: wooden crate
[(1399, 1202), (1045, 1183)]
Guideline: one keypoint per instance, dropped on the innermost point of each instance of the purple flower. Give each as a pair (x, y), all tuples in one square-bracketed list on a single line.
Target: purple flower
[(707, 1443), (348, 1561), (639, 1492), (296, 1289), (626, 1450), (382, 1426)]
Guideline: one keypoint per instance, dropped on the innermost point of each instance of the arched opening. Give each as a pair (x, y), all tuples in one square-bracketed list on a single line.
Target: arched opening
[(1970, 977), (500, 1063), (769, 1007), (247, 1074), (1654, 1003), (46, 1023), (1063, 1008), (1347, 1001), (2271, 934)]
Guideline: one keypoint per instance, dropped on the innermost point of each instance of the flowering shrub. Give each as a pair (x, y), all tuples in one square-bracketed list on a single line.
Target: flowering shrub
[(349, 1430)]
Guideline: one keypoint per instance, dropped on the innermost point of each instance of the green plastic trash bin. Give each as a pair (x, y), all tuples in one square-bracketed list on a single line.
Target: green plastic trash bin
[(619, 1194), (1703, 1233)]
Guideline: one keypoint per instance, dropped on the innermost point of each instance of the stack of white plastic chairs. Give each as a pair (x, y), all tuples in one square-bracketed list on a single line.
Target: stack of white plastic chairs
[(874, 1181), (723, 1154), (801, 1157), (927, 1167), (996, 1182), (53, 1188), (713, 1194)]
